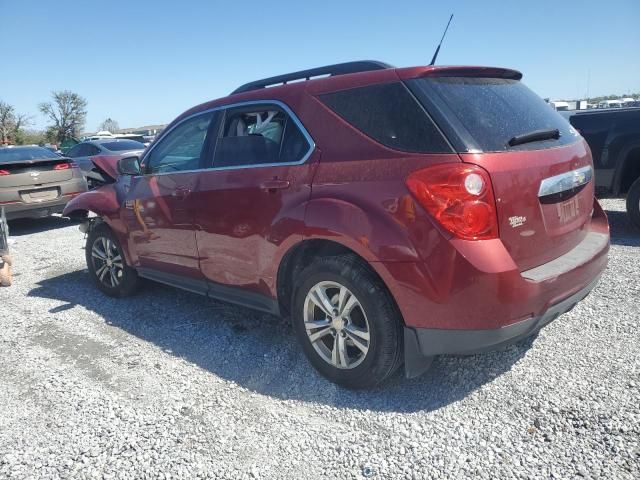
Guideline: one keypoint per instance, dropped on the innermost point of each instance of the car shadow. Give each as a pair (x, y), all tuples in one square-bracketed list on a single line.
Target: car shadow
[(260, 352), (28, 226), (623, 232)]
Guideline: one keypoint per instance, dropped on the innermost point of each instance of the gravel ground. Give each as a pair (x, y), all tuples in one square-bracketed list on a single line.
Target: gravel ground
[(171, 385)]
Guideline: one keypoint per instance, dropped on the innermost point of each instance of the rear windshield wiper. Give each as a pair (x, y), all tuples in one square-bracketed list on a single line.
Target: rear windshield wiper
[(535, 136)]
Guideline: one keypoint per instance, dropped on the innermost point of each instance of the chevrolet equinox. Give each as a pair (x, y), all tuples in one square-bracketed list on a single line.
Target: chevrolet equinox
[(394, 214)]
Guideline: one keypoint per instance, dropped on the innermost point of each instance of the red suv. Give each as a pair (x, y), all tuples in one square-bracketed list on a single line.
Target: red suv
[(393, 214)]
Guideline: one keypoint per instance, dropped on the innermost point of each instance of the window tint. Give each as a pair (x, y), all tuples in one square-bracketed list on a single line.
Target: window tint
[(133, 137), (92, 150), (122, 145), (389, 114), (181, 149), (82, 150), (493, 111), (262, 136), (295, 145), (75, 151), (10, 154)]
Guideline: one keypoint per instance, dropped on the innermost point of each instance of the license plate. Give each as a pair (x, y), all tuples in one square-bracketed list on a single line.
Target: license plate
[(568, 210), (41, 193)]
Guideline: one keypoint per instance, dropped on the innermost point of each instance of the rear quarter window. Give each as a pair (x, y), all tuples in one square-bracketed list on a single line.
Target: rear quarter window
[(390, 115), (485, 113)]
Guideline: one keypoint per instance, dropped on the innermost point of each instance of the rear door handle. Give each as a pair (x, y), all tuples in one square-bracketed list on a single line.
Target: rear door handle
[(275, 184), (181, 193)]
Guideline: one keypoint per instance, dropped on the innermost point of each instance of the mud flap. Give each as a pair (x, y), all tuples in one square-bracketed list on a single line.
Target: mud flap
[(415, 363)]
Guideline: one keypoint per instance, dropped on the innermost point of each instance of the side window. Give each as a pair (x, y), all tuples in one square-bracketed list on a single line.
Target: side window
[(92, 150), (182, 148), (84, 149), (390, 115), (75, 151), (294, 145), (259, 136)]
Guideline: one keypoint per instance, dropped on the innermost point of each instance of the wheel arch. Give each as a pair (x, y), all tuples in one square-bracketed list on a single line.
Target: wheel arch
[(628, 170), (103, 202), (303, 252)]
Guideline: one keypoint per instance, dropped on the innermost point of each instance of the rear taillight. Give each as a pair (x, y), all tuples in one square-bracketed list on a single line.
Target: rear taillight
[(4, 172), (460, 197), (63, 166)]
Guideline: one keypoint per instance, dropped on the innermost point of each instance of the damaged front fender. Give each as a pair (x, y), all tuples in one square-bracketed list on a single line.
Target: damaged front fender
[(105, 202), (102, 201)]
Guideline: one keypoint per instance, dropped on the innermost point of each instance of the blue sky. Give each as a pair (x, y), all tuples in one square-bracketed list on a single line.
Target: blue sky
[(145, 62)]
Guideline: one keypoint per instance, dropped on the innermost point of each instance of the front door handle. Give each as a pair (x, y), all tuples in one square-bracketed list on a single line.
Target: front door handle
[(181, 193), (273, 185)]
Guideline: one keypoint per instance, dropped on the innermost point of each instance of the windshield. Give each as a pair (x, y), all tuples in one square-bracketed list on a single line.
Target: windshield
[(486, 113), (25, 153), (122, 145)]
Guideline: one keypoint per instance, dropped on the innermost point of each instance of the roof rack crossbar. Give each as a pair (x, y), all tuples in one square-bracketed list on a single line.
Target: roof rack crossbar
[(329, 70)]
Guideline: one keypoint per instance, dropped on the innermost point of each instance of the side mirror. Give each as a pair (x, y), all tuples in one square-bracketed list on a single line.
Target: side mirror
[(129, 166)]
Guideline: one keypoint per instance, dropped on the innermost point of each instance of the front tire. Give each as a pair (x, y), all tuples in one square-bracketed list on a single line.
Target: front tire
[(633, 203), (107, 265), (347, 323)]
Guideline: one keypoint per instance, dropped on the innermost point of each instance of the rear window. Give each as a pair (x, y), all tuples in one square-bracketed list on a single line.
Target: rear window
[(123, 145), (390, 115), (485, 113), (134, 138), (25, 153)]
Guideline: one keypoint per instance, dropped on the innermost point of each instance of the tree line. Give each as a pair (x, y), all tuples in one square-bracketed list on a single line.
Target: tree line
[(66, 113), (613, 97)]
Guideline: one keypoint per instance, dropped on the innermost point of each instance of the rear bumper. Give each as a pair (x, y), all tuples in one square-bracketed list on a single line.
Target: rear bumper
[(476, 285), (465, 342), (35, 210), (15, 207), (472, 297)]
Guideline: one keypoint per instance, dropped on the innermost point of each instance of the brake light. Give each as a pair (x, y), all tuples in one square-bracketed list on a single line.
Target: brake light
[(460, 197), (4, 172), (63, 166)]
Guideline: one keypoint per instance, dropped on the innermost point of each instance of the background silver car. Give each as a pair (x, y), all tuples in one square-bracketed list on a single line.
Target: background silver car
[(84, 151), (36, 182)]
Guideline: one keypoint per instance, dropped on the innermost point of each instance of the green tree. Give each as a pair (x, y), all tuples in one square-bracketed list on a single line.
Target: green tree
[(7, 115), (67, 114), (30, 137), (11, 123)]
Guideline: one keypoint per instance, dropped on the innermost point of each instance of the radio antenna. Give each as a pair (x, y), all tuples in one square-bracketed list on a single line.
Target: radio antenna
[(435, 55)]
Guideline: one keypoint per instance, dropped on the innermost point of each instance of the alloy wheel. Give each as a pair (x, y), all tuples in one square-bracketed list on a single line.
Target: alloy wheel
[(107, 262), (336, 325)]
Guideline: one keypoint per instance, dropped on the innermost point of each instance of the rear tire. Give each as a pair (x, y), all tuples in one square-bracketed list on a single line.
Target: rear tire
[(107, 265), (633, 203), (355, 340)]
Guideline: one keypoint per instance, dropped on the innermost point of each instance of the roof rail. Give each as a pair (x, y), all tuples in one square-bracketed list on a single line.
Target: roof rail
[(329, 70)]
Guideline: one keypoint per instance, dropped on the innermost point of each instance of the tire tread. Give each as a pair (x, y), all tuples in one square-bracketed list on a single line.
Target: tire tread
[(356, 271)]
